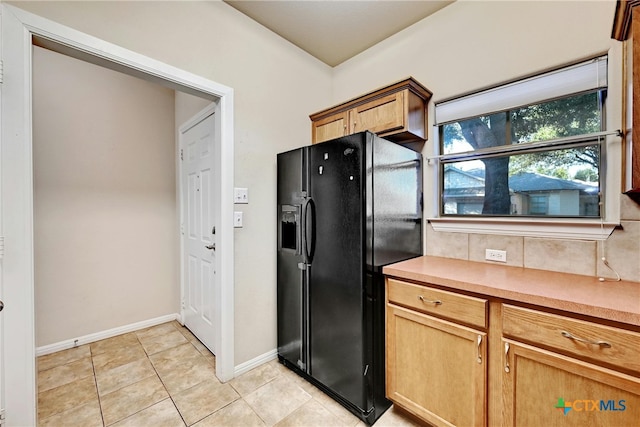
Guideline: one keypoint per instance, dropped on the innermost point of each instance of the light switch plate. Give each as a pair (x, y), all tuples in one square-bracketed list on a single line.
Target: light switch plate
[(237, 219), (240, 195)]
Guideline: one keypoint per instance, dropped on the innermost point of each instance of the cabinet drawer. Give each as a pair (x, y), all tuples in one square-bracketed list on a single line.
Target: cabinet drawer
[(461, 308), (599, 343)]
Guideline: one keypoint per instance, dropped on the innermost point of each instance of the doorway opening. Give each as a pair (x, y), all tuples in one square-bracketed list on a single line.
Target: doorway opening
[(21, 30)]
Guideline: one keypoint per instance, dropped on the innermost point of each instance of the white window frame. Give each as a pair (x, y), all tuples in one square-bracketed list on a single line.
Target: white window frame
[(560, 228)]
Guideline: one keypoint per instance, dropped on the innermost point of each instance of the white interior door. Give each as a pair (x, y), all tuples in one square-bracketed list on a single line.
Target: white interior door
[(198, 184)]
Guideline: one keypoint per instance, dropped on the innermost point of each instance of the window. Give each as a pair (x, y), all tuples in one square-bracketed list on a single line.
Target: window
[(532, 148)]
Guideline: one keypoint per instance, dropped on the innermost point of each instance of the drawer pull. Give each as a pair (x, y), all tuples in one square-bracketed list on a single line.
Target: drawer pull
[(479, 353), (573, 337), (428, 301), (506, 357)]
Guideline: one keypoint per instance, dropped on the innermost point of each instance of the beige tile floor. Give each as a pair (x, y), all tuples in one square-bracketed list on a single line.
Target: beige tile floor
[(164, 376)]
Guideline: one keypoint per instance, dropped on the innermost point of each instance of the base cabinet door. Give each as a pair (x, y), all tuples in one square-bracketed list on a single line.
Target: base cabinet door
[(436, 369), (543, 388)]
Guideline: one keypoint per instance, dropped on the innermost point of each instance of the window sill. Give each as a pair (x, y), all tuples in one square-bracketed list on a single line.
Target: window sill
[(549, 228)]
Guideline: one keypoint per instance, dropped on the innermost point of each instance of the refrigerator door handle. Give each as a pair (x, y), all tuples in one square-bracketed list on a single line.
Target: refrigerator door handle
[(309, 224)]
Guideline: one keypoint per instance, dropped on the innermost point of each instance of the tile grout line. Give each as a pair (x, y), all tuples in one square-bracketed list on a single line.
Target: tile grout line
[(142, 409), (95, 380), (162, 382), (195, 385), (240, 397), (66, 363)]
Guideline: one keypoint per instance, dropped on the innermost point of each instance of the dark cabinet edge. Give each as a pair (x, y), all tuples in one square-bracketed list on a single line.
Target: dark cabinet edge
[(622, 19)]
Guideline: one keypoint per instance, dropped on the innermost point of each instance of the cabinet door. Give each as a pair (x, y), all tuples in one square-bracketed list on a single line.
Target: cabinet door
[(380, 115), (330, 127), (542, 388), (436, 369)]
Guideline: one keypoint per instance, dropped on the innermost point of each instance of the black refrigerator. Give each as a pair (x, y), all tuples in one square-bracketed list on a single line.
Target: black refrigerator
[(346, 208)]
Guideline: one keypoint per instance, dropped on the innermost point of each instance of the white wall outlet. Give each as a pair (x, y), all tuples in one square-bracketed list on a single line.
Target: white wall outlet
[(237, 219), (495, 255), (240, 195)]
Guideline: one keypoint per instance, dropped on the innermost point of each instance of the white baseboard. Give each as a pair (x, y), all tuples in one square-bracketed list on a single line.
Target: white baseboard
[(255, 362), (64, 345)]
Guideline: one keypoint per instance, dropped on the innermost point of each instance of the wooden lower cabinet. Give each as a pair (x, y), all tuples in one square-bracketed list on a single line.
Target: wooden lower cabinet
[(474, 360), (544, 388), (436, 369)]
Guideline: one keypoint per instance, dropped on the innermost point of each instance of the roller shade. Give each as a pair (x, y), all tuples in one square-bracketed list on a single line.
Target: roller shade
[(581, 77)]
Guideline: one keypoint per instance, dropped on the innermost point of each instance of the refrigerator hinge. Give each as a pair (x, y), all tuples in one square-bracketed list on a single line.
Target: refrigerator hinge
[(302, 365), (302, 266)]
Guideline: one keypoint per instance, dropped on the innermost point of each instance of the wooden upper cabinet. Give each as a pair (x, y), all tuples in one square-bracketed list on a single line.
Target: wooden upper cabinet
[(382, 115), (397, 112), (331, 127), (626, 28)]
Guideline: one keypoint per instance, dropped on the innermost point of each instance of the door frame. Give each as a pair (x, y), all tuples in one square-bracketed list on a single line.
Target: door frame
[(17, 30)]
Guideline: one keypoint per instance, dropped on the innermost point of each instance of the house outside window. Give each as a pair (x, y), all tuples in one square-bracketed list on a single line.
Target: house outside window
[(531, 148)]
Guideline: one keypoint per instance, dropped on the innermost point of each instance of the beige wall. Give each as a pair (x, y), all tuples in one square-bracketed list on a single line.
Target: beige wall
[(471, 45), (188, 106), (106, 242), (276, 86)]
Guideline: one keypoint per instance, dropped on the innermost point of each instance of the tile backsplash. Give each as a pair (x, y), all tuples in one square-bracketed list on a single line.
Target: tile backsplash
[(621, 249)]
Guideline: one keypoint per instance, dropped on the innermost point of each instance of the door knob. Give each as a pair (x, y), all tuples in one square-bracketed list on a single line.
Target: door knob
[(211, 246), (1, 305)]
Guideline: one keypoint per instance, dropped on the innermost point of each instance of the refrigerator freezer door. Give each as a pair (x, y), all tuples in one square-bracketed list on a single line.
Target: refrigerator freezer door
[(337, 271), (292, 273)]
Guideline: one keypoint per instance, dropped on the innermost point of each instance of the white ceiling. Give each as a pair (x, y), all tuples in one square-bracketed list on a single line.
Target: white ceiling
[(336, 30)]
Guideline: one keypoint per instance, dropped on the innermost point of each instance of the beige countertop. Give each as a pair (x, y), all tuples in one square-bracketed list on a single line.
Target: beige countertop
[(586, 295)]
